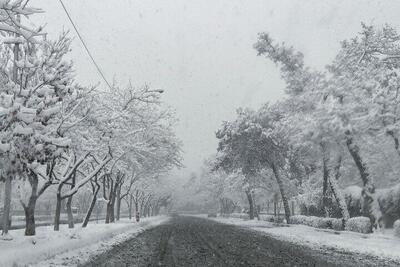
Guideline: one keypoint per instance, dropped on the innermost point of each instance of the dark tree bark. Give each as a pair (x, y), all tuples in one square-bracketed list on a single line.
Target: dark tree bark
[(29, 209), (109, 184), (251, 204), (333, 184), (368, 187), (96, 189), (118, 197), (282, 190), (130, 207), (69, 213), (69, 204), (58, 212), (7, 203), (114, 187), (137, 213), (325, 170)]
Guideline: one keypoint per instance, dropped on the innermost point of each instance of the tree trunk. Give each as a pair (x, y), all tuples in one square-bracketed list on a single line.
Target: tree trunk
[(69, 212), (283, 194), (118, 202), (112, 200), (255, 207), (30, 228), (337, 193), (368, 192), (112, 210), (112, 214), (325, 170), (137, 215), (130, 207), (69, 204), (251, 204), (7, 204), (91, 207), (58, 213), (108, 212), (29, 209)]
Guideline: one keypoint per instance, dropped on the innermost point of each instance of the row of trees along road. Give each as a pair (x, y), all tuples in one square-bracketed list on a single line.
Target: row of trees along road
[(340, 124), (55, 133)]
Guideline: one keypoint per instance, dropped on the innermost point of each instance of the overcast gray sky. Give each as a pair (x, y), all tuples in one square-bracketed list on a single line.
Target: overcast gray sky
[(200, 51)]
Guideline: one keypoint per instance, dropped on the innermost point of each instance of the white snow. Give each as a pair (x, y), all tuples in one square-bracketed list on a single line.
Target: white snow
[(69, 246), (23, 130), (382, 245), (354, 191)]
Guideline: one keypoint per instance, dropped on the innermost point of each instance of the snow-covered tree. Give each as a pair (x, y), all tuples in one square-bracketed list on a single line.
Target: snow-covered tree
[(352, 103)]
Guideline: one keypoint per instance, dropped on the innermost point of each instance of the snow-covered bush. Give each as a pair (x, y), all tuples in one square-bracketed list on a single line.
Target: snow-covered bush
[(312, 221), (239, 215), (278, 219), (389, 202), (337, 224), (359, 224), (318, 222), (297, 219), (396, 228), (267, 217), (311, 204), (353, 200)]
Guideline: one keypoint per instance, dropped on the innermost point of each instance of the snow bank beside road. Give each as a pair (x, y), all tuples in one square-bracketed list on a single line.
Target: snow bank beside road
[(377, 245), (70, 246)]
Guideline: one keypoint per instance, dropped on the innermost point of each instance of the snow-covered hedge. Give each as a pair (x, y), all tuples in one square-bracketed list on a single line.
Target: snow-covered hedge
[(311, 203), (396, 228), (267, 217), (356, 224), (318, 222), (337, 224), (359, 224), (263, 217), (240, 215), (279, 219)]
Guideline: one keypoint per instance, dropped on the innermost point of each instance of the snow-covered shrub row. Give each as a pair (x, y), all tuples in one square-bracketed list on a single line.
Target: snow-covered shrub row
[(356, 224), (240, 215), (311, 203), (389, 203), (267, 217), (318, 222), (337, 224), (359, 224)]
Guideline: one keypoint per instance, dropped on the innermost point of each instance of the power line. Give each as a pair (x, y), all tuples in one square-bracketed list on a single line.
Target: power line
[(85, 46)]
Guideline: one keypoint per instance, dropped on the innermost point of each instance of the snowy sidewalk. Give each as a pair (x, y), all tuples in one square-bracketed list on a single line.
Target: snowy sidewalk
[(378, 245), (69, 246)]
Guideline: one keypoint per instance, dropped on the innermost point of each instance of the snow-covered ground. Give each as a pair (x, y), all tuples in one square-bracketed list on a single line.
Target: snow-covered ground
[(383, 245), (69, 246)]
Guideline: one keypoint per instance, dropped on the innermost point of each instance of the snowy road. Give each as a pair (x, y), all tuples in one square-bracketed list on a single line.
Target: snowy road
[(189, 241)]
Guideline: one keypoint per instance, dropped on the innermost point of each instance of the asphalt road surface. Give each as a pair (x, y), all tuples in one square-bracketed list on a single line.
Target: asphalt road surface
[(190, 241)]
